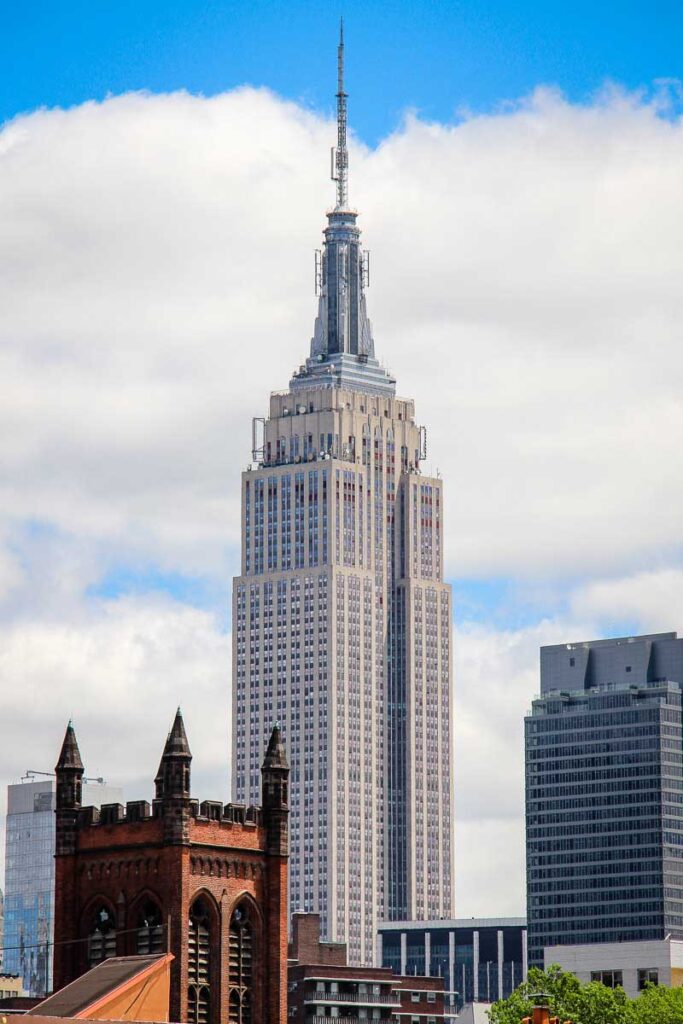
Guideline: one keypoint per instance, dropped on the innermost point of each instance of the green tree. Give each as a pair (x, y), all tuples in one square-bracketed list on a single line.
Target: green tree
[(657, 1005), (568, 999)]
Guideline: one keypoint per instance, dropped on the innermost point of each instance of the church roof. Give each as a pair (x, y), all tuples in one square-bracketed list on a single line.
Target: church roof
[(89, 995)]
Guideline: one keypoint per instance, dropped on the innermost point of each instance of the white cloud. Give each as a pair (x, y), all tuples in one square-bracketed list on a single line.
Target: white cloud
[(119, 668), (653, 599), (156, 284)]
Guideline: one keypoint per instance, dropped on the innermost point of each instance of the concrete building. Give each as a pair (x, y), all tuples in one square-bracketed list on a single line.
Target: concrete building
[(11, 986), (30, 875), (342, 620), (480, 959), (632, 965), (604, 785), (323, 988)]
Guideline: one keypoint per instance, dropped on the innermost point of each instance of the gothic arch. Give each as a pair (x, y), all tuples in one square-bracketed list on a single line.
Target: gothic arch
[(203, 975), (245, 950), (147, 924), (98, 930)]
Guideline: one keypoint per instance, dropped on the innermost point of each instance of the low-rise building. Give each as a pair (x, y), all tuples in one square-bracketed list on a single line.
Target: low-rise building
[(480, 959), (632, 965), (11, 986), (322, 987)]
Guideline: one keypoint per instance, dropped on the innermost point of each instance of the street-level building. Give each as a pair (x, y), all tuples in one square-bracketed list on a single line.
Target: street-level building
[(604, 792), (342, 620), (323, 988), (30, 875), (479, 959), (630, 965), (11, 986)]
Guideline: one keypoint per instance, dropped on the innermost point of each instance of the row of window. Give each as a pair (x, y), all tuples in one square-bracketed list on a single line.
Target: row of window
[(203, 968)]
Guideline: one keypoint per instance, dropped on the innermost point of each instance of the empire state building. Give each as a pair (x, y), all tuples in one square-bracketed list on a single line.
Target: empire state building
[(342, 620)]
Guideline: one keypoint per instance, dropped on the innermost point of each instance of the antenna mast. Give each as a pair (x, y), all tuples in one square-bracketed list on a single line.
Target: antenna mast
[(340, 156)]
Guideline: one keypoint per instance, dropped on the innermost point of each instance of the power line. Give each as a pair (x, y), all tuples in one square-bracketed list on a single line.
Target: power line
[(70, 942)]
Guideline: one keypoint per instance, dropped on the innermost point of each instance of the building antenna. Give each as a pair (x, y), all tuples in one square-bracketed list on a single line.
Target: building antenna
[(340, 156)]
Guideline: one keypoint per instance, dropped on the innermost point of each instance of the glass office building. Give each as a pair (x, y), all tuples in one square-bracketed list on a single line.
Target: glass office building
[(480, 960), (604, 794), (30, 876)]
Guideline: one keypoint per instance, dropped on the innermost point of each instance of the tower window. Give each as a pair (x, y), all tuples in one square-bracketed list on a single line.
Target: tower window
[(240, 968), (101, 936), (150, 930), (199, 964)]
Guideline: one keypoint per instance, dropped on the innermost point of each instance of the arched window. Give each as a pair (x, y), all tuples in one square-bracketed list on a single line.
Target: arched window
[(199, 964), (101, 935), (150, 930), (240, 967)]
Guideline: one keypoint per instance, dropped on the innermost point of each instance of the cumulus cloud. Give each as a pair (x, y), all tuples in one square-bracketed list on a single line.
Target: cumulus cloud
[(156, 283), (119, 669), (652, 599)]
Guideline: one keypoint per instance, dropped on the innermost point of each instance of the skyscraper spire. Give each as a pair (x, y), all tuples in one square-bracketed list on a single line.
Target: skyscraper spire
[(342, 346), (340, 155)]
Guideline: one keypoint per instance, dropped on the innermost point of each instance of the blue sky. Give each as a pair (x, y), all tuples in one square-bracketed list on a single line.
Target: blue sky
[(437, 57)]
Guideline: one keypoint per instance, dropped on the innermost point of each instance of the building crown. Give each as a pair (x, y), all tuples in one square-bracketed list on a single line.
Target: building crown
[(342, 348)]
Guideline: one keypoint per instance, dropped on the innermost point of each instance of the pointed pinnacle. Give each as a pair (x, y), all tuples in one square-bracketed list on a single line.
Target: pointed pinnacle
[(70, 755), (176, 744), (275, 754)]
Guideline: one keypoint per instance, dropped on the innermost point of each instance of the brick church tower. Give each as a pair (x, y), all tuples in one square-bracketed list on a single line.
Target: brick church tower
[(206, 882)]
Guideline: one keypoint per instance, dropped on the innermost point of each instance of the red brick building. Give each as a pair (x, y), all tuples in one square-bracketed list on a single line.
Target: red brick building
[(206, 882), (323, 989)]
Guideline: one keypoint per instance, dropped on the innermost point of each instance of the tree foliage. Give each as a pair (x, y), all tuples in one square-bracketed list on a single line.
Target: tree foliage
[(592, 1003), (657, 1005), (568, 999)]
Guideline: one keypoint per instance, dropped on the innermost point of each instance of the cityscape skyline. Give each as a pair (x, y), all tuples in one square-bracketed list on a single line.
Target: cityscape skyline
[(120, 535)]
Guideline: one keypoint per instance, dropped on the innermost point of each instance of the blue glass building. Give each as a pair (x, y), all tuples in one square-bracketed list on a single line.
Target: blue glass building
[(30, 877), (604, 794)]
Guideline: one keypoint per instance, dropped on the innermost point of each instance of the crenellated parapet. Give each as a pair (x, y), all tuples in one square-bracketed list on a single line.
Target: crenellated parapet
[(135, 811)]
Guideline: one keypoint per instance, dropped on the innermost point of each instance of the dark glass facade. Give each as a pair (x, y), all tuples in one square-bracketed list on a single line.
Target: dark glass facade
[(479, 960), (604, 796)]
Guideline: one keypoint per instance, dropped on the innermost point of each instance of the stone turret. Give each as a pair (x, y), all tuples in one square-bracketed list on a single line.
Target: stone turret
[(69, 772), (274, 795), (172, 784)]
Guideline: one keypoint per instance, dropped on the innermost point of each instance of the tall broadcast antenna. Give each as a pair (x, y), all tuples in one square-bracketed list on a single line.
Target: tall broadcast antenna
[(340, 156)]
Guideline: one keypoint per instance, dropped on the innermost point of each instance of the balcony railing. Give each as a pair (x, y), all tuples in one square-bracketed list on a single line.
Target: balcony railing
[(335, 1020), (366, 998)]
